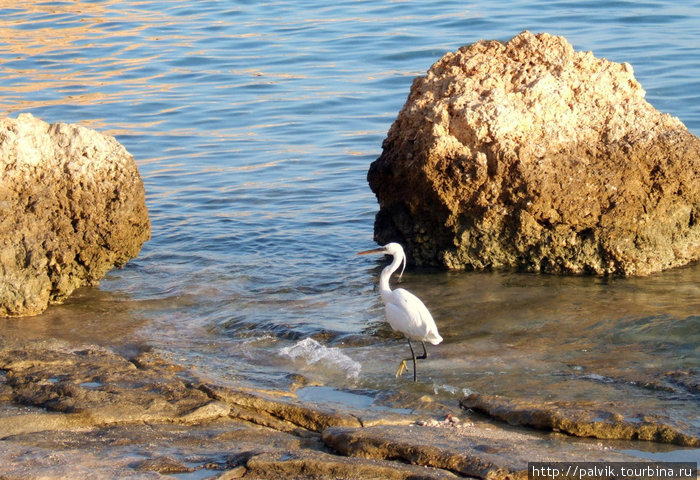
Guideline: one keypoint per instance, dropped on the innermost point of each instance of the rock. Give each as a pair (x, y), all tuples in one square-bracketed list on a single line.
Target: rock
[(73, 207), (238, 472), (534, 156), (687, 379), (138, 450), (163, 464), (313, 464), (481, 452), (95, 386), (584, 419), (285, 415)]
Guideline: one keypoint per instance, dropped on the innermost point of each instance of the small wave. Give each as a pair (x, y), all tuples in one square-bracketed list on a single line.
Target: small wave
[(313, 352)]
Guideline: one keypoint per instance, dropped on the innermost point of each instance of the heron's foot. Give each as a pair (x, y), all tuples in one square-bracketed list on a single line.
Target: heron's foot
[(402, 367)]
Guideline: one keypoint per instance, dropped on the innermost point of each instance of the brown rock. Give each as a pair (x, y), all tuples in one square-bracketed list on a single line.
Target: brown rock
[(163, 464), (583, 419), (534, 156), (481, 451), (311, 464), (687, 379), (95, 386), (238, 472), (73, 207), (286, 415)]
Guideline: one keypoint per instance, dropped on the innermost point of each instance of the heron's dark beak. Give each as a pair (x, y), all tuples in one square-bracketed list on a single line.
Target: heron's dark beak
[(376, 250)]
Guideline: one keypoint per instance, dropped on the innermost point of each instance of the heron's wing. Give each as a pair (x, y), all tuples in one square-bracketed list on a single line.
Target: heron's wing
[(408, 315)]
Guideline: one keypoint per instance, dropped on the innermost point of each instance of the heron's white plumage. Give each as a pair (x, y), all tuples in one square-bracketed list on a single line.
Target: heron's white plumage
[(408, 315)]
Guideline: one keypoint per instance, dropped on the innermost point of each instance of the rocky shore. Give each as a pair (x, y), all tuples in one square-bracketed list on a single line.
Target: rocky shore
[(71, 410)]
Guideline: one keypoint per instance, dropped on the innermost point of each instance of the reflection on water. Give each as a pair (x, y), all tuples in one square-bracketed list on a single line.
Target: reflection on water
[(253, 125), (49, 55)]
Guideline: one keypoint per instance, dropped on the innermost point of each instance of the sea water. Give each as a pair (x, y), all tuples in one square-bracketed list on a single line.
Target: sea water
[(253, 125)]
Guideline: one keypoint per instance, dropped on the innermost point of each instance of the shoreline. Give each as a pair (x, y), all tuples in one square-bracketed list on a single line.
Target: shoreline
[(68, 408)]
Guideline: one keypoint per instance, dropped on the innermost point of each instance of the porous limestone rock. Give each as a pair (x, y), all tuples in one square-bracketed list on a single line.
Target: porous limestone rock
[(531, 155), (72, 207)]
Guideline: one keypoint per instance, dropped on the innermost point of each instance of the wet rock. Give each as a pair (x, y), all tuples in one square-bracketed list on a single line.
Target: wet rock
[(73, 207), (583, 419), (283, 414), (118, 450), (238, 472), (482, 451), (163, 465), (531, 155), (26, 422), (95, 386), (319, 465), (687, 379)]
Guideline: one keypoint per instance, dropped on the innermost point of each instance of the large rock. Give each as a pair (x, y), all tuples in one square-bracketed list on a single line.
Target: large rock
[(73, 207), (534, 156)]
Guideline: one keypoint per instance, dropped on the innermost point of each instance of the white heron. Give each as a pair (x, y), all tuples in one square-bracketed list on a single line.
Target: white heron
[(404, 311)]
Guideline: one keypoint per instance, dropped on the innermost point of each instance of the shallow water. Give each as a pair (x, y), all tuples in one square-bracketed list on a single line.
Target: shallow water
[(253, 125)]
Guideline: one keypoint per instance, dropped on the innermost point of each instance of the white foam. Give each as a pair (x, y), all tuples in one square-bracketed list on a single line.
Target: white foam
[(313, 352), (444, 388)]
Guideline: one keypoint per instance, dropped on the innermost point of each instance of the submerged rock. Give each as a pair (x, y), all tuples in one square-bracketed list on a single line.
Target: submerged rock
[(531, 155), (583, 419), (73, 207)]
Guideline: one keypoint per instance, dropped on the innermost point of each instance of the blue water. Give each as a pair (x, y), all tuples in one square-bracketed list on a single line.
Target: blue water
[(253, 125)]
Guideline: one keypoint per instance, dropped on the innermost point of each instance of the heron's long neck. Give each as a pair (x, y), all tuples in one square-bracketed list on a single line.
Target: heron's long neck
[(384, 287)]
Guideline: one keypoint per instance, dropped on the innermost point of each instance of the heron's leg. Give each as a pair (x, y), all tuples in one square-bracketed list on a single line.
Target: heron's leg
[(402, 365), (413, 356), (425, 353)]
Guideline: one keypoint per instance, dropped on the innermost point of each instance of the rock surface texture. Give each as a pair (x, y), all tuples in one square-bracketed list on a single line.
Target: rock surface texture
[(534, 156), (72, 207), (585, 419)]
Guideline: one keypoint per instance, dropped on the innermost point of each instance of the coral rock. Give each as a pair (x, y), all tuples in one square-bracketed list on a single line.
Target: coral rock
[(73, 207), (534, 156)]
